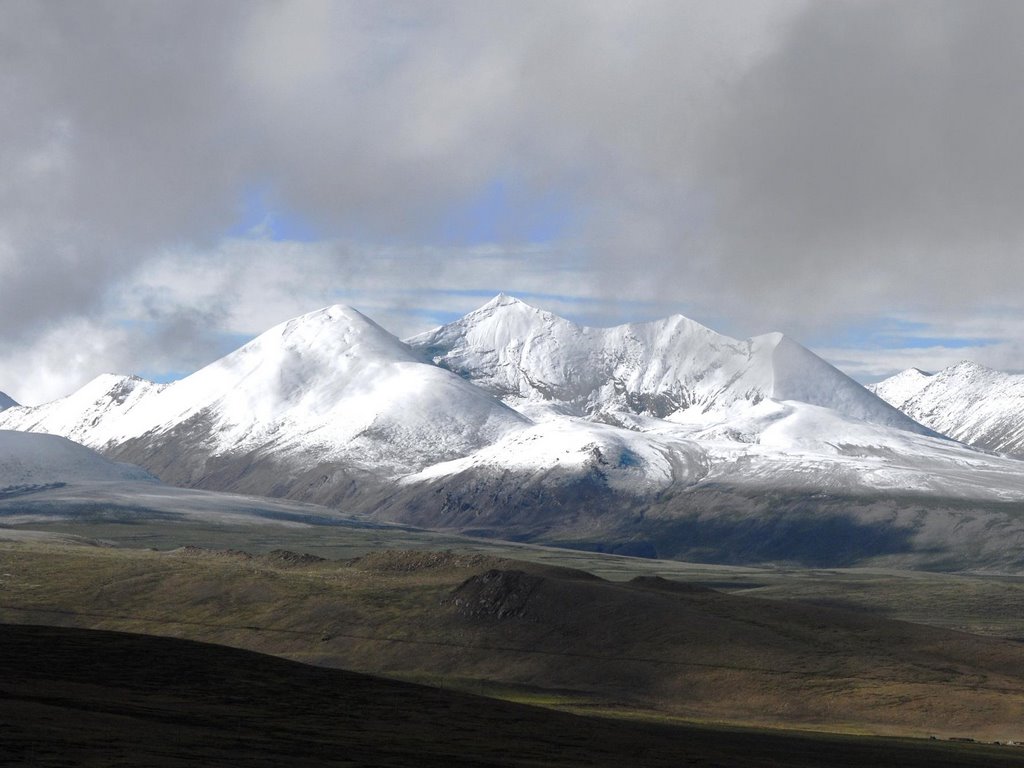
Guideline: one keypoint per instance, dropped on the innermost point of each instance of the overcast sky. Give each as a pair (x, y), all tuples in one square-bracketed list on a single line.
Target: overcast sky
[(175, 177)]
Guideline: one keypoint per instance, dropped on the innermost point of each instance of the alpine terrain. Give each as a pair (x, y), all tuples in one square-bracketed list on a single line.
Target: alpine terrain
[(662, 438), (969, 402)]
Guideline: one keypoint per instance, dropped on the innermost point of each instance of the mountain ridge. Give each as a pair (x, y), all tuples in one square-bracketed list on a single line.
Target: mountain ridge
[(528, 356), (969, 402)]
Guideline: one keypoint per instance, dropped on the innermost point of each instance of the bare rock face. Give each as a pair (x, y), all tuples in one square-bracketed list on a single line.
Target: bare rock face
[(496, 594)]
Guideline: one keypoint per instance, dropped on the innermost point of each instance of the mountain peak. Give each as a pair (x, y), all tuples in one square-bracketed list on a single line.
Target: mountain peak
[(327, 384), (908, 375), (88, 414), (772, 338), (502, 300), (505, 302), (533, 358), (334, 313), (324, 334), (110, 380), (501, 321), (967, 366), (6, 401)]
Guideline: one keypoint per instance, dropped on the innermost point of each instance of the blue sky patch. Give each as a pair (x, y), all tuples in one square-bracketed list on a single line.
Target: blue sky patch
[(504, 211), (262, 218)]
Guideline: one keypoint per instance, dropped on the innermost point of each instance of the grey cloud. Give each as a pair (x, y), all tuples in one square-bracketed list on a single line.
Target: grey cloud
[(113, 141), (127, 129), (182, 338), (870, 164), (777, 163)]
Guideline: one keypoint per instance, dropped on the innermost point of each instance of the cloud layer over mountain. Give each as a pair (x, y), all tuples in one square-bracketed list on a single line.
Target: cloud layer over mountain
[(788, 166)]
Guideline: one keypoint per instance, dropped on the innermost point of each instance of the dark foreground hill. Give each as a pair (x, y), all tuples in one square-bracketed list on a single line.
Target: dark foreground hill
[(84, 697)]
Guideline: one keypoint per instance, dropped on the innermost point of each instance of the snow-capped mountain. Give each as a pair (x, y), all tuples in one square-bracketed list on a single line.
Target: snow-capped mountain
[(898, 389), (528, 357), (969, 402), (6, 401), (658, 438), (716, 445), (327, 387)]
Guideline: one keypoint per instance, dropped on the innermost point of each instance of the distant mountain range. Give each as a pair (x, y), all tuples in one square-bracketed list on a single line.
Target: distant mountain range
[(661, 438), (968, 402)]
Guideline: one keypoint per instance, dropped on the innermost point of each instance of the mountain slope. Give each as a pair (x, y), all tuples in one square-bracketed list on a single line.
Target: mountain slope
[(33, 460), (92, 415), (6, 401), (969, 402), (332, 384), (46, 479), (718, 449)]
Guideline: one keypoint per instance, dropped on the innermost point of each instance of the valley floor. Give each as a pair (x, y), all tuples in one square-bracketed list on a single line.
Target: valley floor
[(656, 641)]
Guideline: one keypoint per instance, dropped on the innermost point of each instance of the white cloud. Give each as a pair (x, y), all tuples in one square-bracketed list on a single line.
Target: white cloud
[(65, 357)]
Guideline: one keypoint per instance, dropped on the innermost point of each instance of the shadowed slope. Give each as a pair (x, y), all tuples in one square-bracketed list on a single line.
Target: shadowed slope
[(98, 698)]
